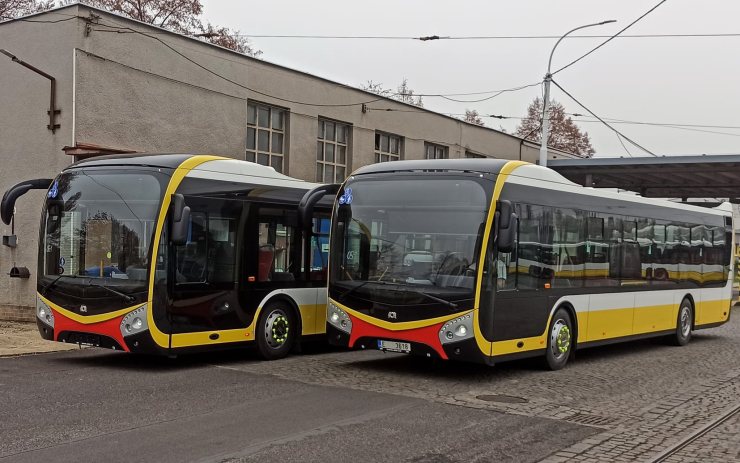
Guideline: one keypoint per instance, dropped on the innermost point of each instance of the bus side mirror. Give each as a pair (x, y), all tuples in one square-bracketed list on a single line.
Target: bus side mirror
[(180, 220), (506, 226)]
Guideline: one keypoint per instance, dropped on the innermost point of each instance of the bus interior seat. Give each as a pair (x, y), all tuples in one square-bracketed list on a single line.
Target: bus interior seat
[(264, 266)]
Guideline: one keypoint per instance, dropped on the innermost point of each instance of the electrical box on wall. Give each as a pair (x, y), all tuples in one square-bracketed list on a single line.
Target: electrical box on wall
[(10, 241)]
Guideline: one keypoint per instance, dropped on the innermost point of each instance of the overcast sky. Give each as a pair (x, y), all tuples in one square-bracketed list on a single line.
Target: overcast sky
[(664, 80)]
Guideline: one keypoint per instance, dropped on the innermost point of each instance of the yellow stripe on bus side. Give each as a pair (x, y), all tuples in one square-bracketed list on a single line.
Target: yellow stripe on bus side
[(200, 338), (484, 345), (617, 323)]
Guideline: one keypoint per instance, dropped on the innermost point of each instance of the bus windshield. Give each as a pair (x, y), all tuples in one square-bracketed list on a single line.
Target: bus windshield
[(99, 225), (408, 240)]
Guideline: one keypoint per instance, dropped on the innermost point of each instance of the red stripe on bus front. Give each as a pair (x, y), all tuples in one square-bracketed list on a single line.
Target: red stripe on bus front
[(110, 328), (428, 335)]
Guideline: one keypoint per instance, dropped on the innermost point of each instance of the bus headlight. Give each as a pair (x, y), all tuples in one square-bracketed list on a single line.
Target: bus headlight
[(44, 313), (338, 318), (134, 322), (458, 329)]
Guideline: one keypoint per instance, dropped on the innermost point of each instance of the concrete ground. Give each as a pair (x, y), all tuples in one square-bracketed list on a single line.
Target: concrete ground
[(17, 338)]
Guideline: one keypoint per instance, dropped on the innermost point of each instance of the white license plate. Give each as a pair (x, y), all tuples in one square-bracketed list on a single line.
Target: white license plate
[(394, 346)]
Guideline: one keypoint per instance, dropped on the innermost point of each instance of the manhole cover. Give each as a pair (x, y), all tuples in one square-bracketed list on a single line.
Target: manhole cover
[(506, 399)]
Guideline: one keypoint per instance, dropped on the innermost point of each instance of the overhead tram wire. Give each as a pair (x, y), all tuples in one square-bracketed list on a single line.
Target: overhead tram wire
[(482, 37), (214, 73), (691, 127), (623, 145), (113, 28), (603, 121), (609, 39), (240, 97)]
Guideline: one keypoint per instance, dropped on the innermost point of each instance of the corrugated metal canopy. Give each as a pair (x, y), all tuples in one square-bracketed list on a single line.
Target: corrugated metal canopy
[(702, 176)]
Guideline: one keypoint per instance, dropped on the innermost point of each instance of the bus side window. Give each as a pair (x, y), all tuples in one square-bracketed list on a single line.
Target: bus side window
[(276, 245), (192, 257), (505, 268), (221, 249), (319, 249), (568, 248), (533, 270)]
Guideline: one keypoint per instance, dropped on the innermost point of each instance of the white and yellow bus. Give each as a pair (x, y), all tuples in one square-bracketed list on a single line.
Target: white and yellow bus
[(489, 260), (177, 253)]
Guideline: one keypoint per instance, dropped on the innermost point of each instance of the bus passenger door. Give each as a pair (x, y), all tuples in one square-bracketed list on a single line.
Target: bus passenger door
[(204, 296), (275, 263), (318, 264)]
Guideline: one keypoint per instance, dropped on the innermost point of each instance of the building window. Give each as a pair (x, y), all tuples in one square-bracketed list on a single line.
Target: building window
[(331, 151), (387, 147), (266, 135), (471, 155), (434, 151)]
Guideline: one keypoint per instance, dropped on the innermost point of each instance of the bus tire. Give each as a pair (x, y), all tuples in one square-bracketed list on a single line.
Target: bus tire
[(684, 323), (277, 328), (559, 340)]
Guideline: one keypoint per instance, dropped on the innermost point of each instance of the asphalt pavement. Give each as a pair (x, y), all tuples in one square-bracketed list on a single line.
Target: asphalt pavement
[(98, 405)]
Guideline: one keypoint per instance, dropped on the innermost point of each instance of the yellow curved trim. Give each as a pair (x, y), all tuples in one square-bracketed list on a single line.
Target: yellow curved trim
[(159, 337), (509, 346), (400, 326), (484, 345), (87, 319)]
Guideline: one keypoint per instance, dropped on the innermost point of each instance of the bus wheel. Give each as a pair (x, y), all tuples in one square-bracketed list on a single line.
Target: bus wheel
[(560, 340), (276, 331), (683, 324)]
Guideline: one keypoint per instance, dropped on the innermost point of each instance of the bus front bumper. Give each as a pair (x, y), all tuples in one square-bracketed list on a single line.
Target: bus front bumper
[(423, 341), (106, 334)]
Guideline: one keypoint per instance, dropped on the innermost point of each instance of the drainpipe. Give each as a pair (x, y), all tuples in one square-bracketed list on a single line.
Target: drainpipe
[(53, 111)]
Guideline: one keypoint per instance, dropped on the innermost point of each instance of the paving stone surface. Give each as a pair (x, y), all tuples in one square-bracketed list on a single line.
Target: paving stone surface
[(643, 396)]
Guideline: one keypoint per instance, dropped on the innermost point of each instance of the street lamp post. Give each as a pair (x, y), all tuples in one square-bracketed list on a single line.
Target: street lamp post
[(546, 102)]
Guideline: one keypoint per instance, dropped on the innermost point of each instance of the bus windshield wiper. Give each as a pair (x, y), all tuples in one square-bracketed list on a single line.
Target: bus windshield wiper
[(117, 293), (435, 298), (50, 285), (353, 289)]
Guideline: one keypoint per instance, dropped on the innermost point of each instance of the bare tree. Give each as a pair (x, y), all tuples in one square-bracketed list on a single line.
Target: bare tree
[(406, 95), (376, 88), (182, 16), (10, 9), (472, 116), (564, 134), (403, 94), (224, 37), (176, 15)]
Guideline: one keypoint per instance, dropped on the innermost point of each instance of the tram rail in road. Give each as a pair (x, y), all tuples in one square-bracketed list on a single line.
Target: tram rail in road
[(694, 436)]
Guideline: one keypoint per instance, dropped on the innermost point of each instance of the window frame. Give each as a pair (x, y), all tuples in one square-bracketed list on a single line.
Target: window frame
[(436, 148), (253, 153), (380, 153), (322, 142)]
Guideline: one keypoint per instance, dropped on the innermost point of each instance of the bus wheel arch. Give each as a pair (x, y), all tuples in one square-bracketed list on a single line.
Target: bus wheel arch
[(561, 337), (690, 298), (567, 306), (282, 318), (685, 321)]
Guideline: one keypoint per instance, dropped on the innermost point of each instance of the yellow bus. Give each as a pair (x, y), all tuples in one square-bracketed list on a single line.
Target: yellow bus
[(179, 253), (490, 260)]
